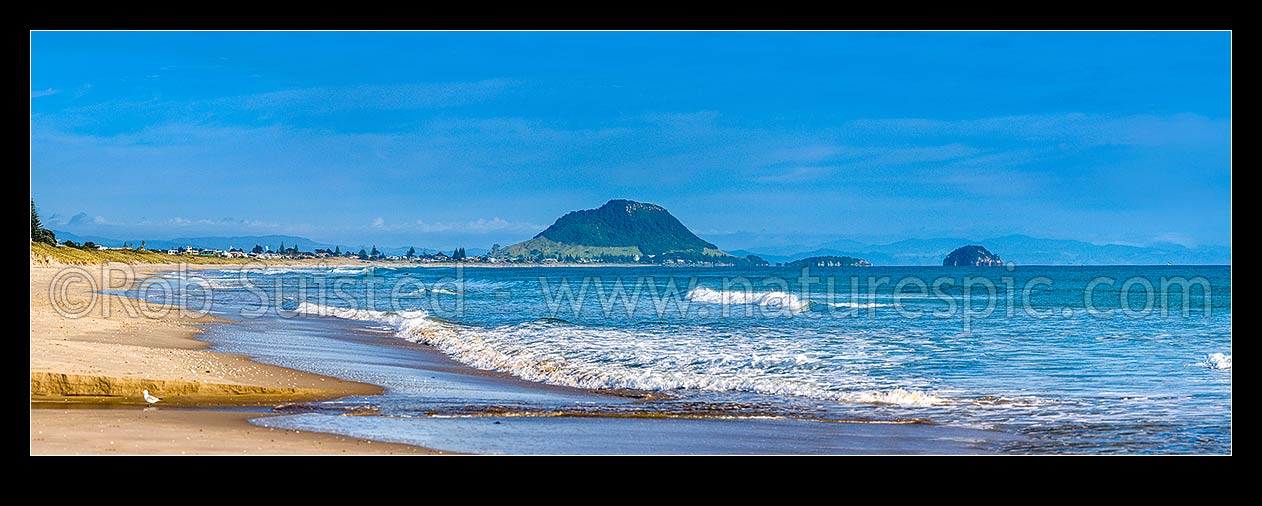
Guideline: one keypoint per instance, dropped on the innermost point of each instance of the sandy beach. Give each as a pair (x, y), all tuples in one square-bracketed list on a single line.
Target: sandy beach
[(184, 432), (107, 356)]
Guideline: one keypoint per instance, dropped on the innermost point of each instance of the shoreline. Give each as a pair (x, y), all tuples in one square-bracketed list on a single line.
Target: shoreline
[(102, 413), (434, 400), (109, 354), (45, 256), (83, 431)]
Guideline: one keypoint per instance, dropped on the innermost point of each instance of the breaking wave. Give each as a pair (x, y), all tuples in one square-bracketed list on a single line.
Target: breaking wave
[(774, 299), (558, 353), (1217, 361), (401, 320)]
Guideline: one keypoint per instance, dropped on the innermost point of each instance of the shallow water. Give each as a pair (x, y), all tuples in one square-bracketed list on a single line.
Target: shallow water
[(1049, 375)]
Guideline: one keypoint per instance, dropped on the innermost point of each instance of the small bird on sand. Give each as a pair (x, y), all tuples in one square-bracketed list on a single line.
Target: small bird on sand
[(149, 398)]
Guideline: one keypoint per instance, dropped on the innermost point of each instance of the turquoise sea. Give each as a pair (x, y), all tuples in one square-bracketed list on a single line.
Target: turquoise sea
[(1027, 359)]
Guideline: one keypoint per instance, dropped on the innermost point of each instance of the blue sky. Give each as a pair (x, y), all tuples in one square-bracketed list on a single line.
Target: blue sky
[(467, 138)]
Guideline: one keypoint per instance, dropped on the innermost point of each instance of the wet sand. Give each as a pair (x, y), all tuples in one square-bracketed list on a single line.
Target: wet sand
[(184, 432), (120, 346)]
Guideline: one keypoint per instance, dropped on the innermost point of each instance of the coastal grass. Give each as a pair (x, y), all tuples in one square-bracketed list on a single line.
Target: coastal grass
[(44, 254)]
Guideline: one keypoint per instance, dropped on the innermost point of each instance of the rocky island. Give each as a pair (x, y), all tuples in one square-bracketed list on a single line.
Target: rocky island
[(975, 256), (829, 261)]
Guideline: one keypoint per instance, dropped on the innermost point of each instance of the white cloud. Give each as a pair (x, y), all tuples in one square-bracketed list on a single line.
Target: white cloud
[(378, 222), (43, 93), (480, 225), (825, 160), (497, 223), (232, 223)]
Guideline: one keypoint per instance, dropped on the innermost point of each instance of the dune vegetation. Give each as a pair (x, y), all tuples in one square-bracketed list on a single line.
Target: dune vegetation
[(45, 254)]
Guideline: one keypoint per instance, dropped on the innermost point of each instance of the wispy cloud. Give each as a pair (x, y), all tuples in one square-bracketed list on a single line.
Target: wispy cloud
[(227, 223), (797, 175), (900, 166), (1071, 129), (477, 226), (993, 157), (863, 162), (277, 107), (922, 154), (688, 123), (43, 93), (394, 96), (480, 225), (82, 218)]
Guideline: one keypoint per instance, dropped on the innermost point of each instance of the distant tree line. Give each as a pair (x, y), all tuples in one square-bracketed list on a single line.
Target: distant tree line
[(85, 245)]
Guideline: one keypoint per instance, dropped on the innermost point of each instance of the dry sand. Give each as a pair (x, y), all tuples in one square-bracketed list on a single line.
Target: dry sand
[(113, 351)]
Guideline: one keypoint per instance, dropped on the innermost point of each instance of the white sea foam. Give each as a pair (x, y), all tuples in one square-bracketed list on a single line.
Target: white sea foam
[(597, 358), (496, 349), (900, 397), (222, 283), (272, 271), (774, 299), (334, 271), (1217, 361), (401, 320)]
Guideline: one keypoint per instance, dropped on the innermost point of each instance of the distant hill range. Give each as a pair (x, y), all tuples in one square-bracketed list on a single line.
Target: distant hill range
[(619, 231), (625, 229), (1021, 249), (246, 242)]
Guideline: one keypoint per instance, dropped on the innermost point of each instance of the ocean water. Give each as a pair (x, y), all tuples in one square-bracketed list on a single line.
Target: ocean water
[(1048, 359)]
